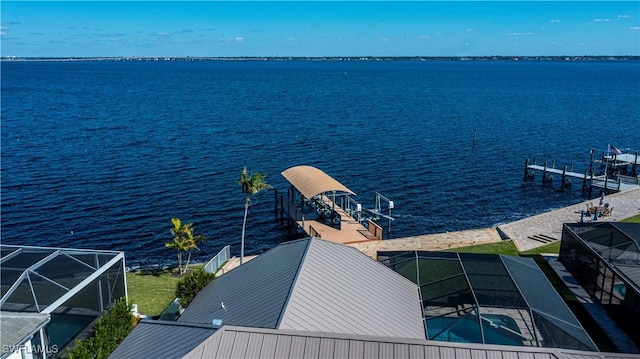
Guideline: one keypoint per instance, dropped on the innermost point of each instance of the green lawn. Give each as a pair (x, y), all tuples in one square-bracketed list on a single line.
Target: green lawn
[(506, 247), (153, 291), (634, 219)]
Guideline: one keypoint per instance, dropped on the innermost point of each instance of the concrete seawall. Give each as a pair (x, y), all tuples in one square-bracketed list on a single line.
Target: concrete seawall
[(525, 233), (431, 242), (546, 225)]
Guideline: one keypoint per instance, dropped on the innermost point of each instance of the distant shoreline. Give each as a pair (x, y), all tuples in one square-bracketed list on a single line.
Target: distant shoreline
[(328, 58)]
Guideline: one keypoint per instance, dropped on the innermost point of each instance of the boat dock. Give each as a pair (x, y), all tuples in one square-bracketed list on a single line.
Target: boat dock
[(618, 172), (322, 207)]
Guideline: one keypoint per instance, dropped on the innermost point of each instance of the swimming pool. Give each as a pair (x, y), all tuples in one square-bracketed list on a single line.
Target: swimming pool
[(620, 289), (498, 329), (64, 327)]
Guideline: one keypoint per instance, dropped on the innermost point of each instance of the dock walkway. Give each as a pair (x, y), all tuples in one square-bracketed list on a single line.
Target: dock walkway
[(559, 171)]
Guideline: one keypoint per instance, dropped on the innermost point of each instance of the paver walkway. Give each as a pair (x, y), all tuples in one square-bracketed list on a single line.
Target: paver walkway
[(431, 242), (232, 263), (536, 231)]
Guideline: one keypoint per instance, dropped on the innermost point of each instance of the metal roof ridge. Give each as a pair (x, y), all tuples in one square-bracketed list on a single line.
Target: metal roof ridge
[(283, 311), (174, 323)]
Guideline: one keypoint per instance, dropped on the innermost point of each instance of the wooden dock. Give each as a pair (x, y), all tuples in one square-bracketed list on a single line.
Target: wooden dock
[(608, 182), (311, 206), (349, 230)]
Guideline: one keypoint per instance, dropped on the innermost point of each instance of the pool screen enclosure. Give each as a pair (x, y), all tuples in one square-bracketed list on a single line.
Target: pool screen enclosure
[(73, 286), (605, 259), (490, 299)]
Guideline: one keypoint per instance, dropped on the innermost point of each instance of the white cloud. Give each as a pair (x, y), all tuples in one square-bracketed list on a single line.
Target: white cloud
[(554, 21), (424, 37), (601, 20), (469, 30), (623, 16), (634, 28), (291, 39), (238, 39), (384, 39), (519, 34)]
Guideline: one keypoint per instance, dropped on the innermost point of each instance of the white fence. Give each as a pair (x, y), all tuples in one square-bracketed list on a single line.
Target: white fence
[(215, 262)]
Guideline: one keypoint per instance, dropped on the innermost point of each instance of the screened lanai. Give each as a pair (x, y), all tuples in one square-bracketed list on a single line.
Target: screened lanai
[(604, 257), (490, 299), (73, 286)]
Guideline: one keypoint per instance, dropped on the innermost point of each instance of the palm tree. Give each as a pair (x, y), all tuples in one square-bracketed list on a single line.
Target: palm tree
[(183, 240), (180, 240), (251, 184), (192, 243)]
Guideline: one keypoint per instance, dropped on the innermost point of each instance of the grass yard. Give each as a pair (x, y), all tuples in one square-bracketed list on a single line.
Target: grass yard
[(506, 247), (153, 291), (634, 219)]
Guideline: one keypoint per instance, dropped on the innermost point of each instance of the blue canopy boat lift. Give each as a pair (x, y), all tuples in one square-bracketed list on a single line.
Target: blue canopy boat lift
[(323, 207)]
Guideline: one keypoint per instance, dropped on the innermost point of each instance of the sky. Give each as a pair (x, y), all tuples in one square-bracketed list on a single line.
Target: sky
[(315, 28)]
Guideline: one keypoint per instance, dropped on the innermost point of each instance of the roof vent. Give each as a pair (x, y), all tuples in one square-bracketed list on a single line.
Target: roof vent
[(216, 322)]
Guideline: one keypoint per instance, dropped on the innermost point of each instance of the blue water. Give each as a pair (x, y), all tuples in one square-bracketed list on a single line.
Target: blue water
[(467, 330), (102, 154)]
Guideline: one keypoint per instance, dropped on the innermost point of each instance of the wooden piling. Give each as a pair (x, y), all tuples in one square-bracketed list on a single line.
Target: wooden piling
[(281, 209), (275, 202)]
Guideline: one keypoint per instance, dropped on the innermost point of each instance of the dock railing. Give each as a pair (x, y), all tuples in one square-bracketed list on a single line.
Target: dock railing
[(218, 260)]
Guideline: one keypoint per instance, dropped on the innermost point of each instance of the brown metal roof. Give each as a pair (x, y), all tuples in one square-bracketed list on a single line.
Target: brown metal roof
[(311, 181), (239, 342)]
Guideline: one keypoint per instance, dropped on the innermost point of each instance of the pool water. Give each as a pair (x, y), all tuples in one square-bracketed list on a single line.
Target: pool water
[(64, 327), (620, 289), (467, 330)]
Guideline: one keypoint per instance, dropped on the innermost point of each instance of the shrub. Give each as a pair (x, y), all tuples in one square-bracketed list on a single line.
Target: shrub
[(109, 331), (188, 287)]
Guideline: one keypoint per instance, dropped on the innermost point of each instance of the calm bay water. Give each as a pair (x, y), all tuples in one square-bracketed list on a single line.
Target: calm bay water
[(102, 154)]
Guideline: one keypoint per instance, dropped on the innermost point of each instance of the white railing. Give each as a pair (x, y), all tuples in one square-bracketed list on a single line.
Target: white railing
[(219, 259)]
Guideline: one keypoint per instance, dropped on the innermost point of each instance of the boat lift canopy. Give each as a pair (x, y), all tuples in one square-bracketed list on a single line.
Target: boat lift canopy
[(310, 181)]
